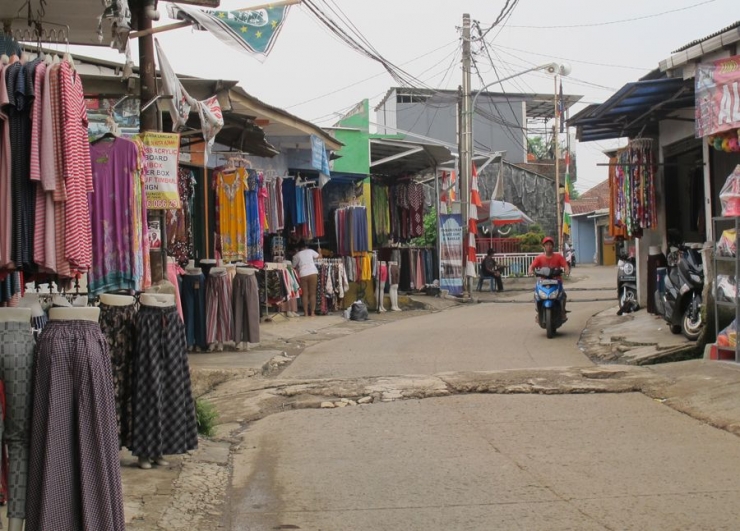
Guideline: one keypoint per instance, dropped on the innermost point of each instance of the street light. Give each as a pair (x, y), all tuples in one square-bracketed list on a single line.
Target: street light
[(556, 70)]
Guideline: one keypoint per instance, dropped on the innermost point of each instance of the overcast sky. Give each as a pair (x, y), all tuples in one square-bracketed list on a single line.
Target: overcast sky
[(313, 75)]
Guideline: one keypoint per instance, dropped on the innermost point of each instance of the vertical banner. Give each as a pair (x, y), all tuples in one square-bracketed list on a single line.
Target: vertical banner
[(717, 91), (162, 153), (450, 261)]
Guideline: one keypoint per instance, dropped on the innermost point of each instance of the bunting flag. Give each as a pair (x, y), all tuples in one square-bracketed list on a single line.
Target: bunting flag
[(475, 202), (567, 209), (254, 32)]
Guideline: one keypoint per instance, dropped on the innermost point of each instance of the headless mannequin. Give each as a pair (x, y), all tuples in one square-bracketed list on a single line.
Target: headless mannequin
[(394, 287), (116, 300), (15, 315), (195, 271), (155, 300), (75, 314), (216, 270), (244, 271), (382, 279)]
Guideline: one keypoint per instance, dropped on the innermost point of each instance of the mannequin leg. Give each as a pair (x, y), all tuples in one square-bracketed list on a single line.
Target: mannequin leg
[(394, 298), (381, 295), (15, 524), (145, 463), (161, 461)]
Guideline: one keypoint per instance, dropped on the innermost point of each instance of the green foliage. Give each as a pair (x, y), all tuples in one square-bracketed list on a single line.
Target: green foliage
[(574, 194), (430, 231), (531, 242), (536, 146), (206, 417)]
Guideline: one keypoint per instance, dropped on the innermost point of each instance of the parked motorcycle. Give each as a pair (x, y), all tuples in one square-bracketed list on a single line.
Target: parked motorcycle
[(626, 281), (570, 256), (681, 301), (549, 297)]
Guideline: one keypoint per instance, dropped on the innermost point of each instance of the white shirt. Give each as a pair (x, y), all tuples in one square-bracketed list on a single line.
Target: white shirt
[(303, 262)]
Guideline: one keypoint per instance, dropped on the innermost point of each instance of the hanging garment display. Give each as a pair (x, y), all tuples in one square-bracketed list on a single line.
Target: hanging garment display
[(194, 309), (246, 308), (218, 307), (381, 214), (416, 209), (635, 206), (180, 222), (16, 372), (73, 456), (117, 324), (351, 230), (232, 215), (255, 254), (164, 411)]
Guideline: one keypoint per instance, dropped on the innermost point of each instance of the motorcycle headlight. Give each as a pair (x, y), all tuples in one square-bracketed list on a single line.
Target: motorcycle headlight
[(554, 295), (628, 268)]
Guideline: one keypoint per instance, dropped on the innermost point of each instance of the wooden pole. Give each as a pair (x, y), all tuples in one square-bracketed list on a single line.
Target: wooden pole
[(186, 23)]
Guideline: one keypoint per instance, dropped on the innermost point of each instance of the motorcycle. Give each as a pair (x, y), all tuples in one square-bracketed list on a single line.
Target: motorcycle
[(549, 298), (626, 281), (681, 301), (570, 256)]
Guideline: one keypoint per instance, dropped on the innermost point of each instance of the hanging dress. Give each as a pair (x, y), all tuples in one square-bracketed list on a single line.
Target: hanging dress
[(232, 215)]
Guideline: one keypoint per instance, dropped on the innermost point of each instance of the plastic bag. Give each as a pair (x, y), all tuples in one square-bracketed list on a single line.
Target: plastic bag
[(728, 336), (358, 311), (729, 196), (726, 289), (727, 244)]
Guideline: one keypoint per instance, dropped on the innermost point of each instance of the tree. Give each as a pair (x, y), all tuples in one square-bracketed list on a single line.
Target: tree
[(536, 146)]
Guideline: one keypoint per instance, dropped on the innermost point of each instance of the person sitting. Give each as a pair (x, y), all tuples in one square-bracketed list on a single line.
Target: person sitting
[(489, 269)]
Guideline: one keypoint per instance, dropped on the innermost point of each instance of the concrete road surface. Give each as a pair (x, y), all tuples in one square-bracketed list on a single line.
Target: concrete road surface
[(479, 462)]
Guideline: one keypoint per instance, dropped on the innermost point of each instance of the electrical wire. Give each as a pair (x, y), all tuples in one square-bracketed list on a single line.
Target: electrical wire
[(503, 14), (621, 21), (605, 65)]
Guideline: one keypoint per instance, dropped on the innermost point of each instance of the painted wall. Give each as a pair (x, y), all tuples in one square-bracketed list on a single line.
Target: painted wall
[(584, 240), (355, 154)]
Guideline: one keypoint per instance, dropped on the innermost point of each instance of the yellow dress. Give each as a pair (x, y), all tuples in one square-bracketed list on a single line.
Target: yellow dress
[(232, 215)]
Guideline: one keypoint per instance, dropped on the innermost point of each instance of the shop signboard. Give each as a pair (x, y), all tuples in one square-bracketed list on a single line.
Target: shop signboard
[(451, 253), (161, 152), (718, 96)]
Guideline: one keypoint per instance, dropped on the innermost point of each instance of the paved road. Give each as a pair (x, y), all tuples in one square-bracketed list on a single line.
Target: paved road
[(480, 462)]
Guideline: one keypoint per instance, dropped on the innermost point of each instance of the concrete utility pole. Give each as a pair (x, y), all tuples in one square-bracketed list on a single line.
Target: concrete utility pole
[(559, 214), (466, 144)]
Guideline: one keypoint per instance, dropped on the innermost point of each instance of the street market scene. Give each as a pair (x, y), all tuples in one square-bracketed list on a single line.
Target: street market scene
[(331, 265)]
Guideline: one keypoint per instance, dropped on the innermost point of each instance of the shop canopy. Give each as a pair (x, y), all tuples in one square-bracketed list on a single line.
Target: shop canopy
[(400, 157), (636, 107), (501, 213)]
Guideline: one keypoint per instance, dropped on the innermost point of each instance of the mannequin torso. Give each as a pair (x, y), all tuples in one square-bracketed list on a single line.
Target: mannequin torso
[(15, 315), (116, 300), (157, 300), (245, 271), (74, 314)]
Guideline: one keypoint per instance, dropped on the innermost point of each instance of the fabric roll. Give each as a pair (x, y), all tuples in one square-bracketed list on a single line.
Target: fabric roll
[(163, 407), (194, 309), (74, 474), (16, 372), (118, 326), (218, 308), (246, 309)]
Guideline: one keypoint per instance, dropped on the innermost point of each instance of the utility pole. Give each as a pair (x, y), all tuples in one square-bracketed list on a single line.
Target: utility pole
[(559, 214), (144, 10), (466, 144)]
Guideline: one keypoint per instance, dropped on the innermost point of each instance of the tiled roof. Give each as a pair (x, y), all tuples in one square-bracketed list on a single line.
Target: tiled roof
[(594, 199)]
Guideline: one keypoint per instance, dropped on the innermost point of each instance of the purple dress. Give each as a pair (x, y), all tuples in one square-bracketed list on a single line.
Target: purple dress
[(113, 166)]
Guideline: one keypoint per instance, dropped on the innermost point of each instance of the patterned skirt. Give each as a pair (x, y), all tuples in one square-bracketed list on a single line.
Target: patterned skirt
[(117, 324), (74, 473), (163, 408)]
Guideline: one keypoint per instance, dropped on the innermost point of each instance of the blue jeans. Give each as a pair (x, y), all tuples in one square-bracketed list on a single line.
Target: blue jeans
[(194, 309)]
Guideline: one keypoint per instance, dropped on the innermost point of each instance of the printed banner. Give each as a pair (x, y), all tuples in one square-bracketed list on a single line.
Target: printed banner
[(162, 152), (718, 96), (450, 261)]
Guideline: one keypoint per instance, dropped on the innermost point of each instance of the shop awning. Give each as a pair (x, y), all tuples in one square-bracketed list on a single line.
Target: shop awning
[(636, 107), (397, 157)]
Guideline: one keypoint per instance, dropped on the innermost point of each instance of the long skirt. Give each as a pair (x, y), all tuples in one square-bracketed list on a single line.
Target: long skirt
[(117, 324), (246, 309), (74, 474), (16, 372), (164, 411)]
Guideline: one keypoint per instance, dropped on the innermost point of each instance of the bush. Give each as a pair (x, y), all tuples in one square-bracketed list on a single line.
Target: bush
[(206, 417), (531, 242)]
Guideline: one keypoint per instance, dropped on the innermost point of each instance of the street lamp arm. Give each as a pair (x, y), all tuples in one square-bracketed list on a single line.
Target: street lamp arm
[(552, 68)]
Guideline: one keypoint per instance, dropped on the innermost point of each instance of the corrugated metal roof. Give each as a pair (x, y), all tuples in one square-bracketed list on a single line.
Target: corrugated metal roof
[(699, 41)]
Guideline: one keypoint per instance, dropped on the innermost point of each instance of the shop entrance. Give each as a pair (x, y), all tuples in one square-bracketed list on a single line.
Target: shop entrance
[(684, 195)]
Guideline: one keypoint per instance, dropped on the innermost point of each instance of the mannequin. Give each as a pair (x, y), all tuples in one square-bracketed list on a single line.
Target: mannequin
[(116, 300), (245, 271), (218, 309), (207, 264), (395, 276), (194, 307), (245, 309), (382, 279), (16, 315), (74, 314)]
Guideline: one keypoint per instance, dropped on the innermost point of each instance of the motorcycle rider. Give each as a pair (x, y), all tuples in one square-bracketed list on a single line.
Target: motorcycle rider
[(553, 260)]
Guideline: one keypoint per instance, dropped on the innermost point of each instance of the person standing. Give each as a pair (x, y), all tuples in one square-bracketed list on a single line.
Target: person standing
[(303, 261)]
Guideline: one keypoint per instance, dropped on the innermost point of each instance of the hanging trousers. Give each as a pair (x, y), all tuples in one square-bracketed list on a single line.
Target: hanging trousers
[(246, 308), (218, 308), (194, 309), (16, 372), (74, 472)]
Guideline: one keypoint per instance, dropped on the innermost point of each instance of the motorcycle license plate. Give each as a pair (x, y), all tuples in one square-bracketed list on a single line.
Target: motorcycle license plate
[(628, 279), (548, 282)]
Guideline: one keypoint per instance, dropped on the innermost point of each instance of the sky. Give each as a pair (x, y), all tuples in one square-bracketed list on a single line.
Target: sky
[(313, 75)]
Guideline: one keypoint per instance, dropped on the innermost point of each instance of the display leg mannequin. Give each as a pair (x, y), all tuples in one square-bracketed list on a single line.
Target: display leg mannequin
[(394, 274), (16, 315), (158, 301), (382, 279)]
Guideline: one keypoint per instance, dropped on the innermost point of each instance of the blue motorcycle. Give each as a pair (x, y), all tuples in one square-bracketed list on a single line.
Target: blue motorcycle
[(549, 296)]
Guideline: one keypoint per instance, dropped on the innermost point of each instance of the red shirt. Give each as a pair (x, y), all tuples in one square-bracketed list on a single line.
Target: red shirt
[(556, 260)]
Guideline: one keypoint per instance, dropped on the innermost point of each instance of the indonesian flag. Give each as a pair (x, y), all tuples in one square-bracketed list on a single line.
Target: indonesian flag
[(475, 202), (567, 209)]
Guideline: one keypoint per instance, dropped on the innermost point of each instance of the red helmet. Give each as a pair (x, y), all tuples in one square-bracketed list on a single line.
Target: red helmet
[(548, 239)]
